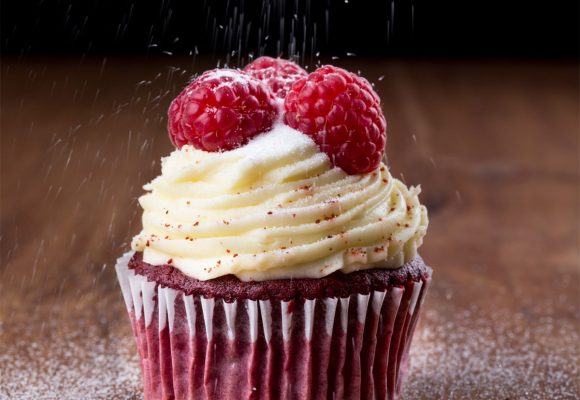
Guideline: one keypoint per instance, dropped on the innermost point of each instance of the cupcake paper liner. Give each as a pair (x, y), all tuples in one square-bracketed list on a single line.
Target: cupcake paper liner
[(193, 347)]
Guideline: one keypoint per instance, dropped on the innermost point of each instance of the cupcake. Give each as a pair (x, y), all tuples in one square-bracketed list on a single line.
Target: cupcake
[(278, 256)]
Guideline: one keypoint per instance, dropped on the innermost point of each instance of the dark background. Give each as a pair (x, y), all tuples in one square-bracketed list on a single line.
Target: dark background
[(402, 28)]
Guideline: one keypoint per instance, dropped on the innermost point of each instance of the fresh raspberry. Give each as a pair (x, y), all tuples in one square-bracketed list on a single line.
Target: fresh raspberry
[(221, 110), (342, 113), (278, 74)]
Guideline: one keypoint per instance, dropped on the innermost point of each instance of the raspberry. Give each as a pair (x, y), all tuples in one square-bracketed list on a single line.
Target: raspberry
[(342, 113), (221, 110), (278, 74)]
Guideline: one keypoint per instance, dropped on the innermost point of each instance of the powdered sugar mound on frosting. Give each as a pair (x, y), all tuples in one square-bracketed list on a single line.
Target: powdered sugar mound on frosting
[(275, 208)]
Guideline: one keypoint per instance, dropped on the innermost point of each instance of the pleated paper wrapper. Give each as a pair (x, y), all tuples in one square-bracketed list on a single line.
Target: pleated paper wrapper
[(193, 347)]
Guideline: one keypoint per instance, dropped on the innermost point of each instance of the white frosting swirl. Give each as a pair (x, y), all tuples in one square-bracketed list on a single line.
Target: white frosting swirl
[(276, 208)]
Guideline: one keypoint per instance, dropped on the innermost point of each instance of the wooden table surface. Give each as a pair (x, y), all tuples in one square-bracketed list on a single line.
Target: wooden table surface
[(495, 146)]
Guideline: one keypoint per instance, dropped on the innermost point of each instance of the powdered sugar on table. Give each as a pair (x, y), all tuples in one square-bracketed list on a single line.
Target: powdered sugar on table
[(467, 356)]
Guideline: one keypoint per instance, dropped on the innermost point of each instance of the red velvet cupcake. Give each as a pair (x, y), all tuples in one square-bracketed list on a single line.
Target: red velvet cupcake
[(278, 257)]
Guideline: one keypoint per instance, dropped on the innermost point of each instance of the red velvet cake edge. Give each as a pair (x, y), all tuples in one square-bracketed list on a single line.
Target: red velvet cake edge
[(230, 288)]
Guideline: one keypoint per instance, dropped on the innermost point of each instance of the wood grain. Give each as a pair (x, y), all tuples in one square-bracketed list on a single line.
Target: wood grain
[(494, 145)]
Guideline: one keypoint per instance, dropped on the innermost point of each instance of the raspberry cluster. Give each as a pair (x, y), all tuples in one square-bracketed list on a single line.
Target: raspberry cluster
[(224, 108)]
